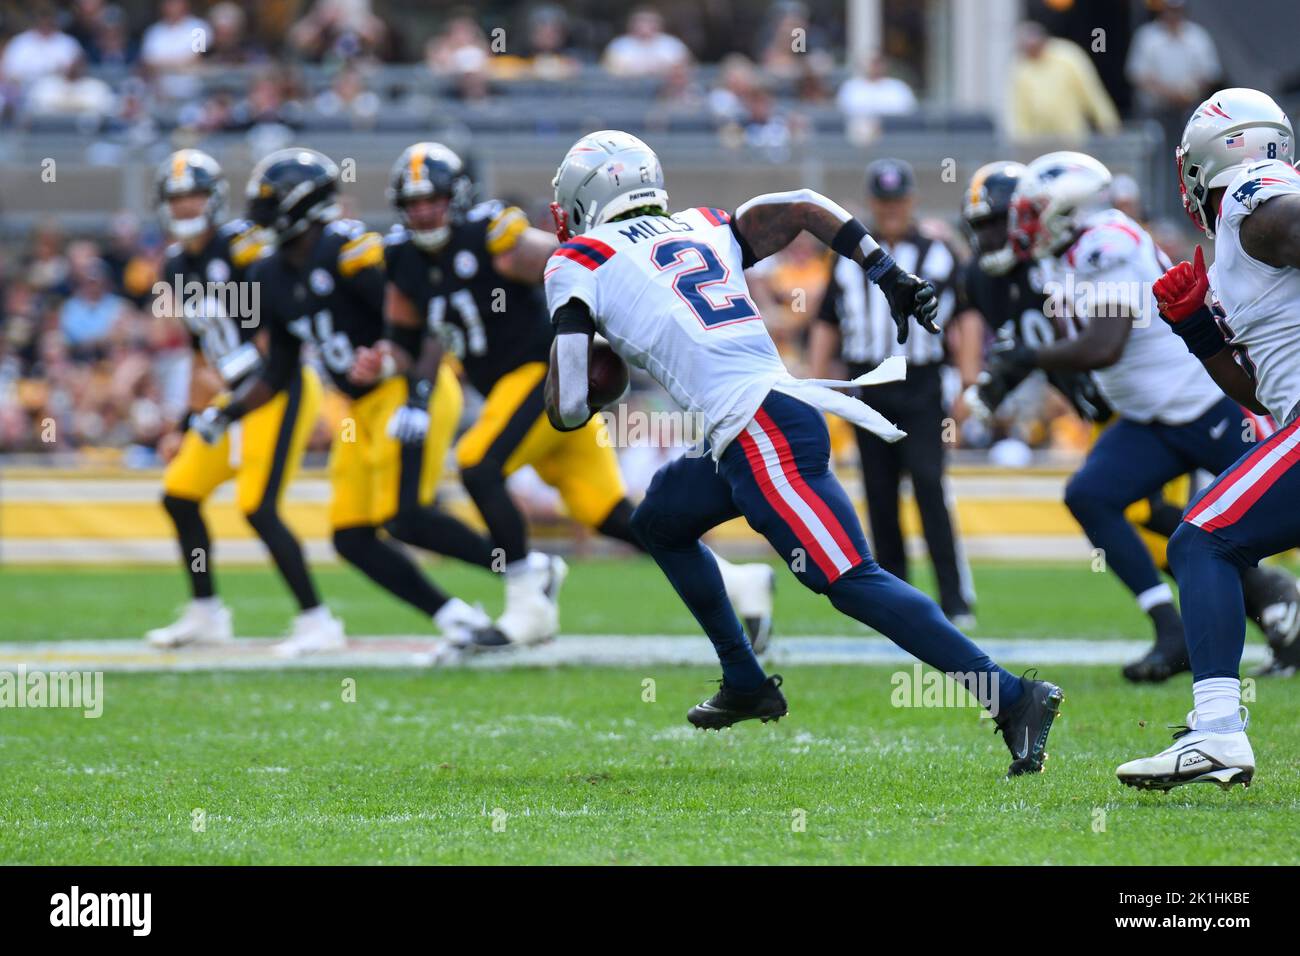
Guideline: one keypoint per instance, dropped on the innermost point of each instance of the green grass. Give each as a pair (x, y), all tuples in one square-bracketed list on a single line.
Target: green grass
[(586, 772), (580, 767), (1016, 600)]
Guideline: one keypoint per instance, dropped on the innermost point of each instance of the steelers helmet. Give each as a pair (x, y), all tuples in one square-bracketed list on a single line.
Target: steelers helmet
[(184, 173), (430, 170), (291, 189), (985, 208)]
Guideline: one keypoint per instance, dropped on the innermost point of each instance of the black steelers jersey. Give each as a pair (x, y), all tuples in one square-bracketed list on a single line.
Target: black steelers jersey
[(492, 324), (1014, 303), (208, 295), (335, 302)]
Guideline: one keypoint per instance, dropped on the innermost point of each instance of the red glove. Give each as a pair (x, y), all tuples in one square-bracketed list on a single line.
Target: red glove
[(1181, 291)]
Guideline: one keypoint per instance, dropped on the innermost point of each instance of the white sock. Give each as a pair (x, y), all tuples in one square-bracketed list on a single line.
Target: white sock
[(319, 612), (1160, 594), (1218, 704), (208, 603)]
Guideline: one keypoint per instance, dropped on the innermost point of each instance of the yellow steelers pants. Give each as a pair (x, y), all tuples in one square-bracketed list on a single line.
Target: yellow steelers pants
[(261, 451), (513, 431), (373, 475)]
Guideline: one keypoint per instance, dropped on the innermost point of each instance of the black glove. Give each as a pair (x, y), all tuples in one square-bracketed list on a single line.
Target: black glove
[(909, 295), (1009, 363)]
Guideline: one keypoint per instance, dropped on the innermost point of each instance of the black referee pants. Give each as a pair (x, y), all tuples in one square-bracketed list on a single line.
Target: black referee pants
[(916, 406)]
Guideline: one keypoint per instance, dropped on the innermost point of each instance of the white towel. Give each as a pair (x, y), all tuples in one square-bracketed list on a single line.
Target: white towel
[(821, 393)]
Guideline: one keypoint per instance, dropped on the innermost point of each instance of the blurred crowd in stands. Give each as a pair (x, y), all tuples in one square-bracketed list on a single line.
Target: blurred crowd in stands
[(90, 58), (85, 362)]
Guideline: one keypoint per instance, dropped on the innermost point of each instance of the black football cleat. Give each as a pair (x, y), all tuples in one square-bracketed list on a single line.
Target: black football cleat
[(489, 639), (1167, 657), (728, 706), (1026, 726), (1157, 666), (1273, 601)]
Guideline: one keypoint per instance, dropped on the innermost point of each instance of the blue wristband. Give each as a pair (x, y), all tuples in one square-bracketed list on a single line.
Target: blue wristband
[(878, 265), (1200, 333)]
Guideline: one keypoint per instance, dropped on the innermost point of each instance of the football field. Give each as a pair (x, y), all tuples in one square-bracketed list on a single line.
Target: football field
[(579, 763)]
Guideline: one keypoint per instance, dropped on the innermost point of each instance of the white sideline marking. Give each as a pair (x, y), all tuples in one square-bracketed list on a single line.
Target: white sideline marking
[(605, 650)]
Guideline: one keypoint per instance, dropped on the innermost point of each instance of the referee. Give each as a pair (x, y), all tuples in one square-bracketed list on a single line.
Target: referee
[(854, 316)]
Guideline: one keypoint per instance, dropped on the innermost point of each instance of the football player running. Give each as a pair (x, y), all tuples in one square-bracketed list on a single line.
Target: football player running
[(1239, 187), (668, 292), (324, 285), (205, 285), (466, 278), (1081, 245)]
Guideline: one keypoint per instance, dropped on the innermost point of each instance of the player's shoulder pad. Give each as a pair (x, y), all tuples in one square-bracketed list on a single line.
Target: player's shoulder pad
[(1105, 244), (244, 242), (587, 251), (712, 215), (362, 251), (505, 225), (1259, 182)]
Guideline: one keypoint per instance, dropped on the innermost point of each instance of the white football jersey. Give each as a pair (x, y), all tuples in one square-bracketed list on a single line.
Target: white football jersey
[(1114, 262), (669, 293), (1262, 302)]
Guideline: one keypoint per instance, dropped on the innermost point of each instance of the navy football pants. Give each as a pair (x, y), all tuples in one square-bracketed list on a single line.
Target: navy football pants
[(1251, 511), (1132, 461), (776, 474)]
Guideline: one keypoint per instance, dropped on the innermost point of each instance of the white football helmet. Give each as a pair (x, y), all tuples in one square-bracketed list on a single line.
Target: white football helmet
[(1054, 194), (1230, 130), (604, 175)]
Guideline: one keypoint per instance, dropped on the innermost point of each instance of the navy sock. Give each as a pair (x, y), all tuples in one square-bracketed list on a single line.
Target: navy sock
[(694, 574), (1209, 585), (910, 619)]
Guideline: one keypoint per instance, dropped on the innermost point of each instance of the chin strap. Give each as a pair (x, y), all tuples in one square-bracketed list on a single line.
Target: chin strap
[(561, 218)]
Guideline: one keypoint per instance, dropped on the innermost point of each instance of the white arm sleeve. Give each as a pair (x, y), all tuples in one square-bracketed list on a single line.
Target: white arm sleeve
[(571, 358)]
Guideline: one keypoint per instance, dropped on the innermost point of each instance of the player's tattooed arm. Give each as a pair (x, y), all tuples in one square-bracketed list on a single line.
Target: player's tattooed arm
[(1271, 234), (768, 223), (525, 261)]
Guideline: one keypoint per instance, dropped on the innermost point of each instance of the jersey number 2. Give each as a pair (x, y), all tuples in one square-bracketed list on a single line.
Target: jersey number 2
[(691, 282)]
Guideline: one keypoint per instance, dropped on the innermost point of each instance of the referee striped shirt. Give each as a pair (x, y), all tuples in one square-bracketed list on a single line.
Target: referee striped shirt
[(856, 305)]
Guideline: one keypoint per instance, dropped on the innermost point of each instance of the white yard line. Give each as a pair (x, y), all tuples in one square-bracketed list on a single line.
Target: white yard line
[(603, 650)]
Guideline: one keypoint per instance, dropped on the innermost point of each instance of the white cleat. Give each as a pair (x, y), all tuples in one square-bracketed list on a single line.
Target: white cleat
[(459, 622), (750, 588), (314, 632), (1196, 756), (204, 621), (532, 614)]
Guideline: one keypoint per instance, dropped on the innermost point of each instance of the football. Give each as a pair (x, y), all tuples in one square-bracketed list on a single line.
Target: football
[(607, 376)]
